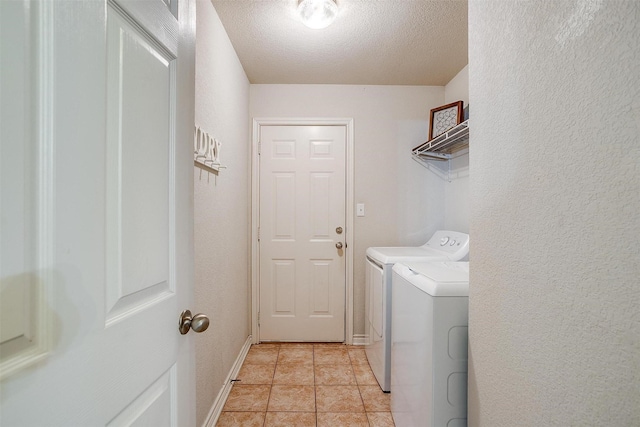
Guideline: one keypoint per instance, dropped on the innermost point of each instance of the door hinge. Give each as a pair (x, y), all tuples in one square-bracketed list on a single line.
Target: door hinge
[(259, 147), (258, 318), (258, 234)]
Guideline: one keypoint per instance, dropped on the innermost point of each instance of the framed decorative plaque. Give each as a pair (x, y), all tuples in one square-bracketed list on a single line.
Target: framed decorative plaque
[(444, 118)]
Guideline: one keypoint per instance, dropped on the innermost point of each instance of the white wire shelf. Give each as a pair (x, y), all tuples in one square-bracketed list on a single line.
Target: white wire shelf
[(441, 147)]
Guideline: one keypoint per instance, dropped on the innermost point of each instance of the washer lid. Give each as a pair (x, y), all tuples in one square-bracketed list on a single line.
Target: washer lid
[(444, 245), (440, 278), (391, 255)]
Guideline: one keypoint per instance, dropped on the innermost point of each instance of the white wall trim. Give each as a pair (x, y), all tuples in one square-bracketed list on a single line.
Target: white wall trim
[(255, 204), (359, 339), (221, 398)]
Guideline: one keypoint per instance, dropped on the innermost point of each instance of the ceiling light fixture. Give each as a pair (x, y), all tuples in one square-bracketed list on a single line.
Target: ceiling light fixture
[(317, 14)]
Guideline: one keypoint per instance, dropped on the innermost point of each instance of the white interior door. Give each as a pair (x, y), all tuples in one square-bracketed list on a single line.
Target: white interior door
[(301, 227), (96, 175)]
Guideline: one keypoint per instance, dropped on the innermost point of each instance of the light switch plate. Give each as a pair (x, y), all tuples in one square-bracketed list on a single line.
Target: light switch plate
[(360, 209)]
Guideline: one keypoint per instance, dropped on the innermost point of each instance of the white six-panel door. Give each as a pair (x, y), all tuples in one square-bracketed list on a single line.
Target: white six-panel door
[(301, 226), (96, 173)]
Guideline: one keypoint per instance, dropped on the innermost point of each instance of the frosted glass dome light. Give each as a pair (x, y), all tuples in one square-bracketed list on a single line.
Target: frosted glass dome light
[(317, 14)]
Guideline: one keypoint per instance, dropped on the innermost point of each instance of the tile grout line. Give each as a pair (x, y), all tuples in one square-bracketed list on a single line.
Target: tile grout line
[(275, 367), (315, 390), (273, 377)]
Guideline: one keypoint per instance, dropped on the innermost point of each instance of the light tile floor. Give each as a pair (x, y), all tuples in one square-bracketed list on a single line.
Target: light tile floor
[(306, 385)]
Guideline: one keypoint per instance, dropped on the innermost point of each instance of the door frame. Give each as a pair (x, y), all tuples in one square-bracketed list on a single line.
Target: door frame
[(255, 214)]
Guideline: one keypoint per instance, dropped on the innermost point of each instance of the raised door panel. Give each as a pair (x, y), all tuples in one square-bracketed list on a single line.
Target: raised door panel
[(283, 215), (140, 147), (320, 209), (25, 242), (284, 291), (153, 407), (320, 280)]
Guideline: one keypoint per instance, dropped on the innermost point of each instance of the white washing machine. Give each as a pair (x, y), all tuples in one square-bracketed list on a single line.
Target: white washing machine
[(443, 246), (429, 344)]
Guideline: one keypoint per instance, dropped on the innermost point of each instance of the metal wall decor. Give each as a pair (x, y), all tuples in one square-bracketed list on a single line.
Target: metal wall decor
[(444, 118)]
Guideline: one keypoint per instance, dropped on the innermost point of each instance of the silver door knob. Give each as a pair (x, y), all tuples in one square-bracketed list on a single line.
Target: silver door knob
[(339, 230), (339, 245), (199, 322)]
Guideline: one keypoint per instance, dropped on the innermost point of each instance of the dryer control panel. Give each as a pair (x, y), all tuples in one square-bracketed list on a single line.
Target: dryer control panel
[(454, 243)]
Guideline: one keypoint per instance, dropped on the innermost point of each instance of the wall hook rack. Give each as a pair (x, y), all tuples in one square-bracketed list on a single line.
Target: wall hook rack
[(206, 151)]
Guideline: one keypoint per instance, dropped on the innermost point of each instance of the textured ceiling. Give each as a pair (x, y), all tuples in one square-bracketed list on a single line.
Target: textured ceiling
[(377, 42)]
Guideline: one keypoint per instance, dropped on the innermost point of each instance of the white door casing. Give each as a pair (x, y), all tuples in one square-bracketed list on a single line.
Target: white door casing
[(302, 192), (97, 257)]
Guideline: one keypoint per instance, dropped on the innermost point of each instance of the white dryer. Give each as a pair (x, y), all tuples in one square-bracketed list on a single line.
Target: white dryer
[(443, 246), (429, 344)]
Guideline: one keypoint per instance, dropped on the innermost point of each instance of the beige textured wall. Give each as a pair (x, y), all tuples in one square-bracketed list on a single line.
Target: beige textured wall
[(222, 212), (458, 88), (457, 190), (403, 200), (554, 318)]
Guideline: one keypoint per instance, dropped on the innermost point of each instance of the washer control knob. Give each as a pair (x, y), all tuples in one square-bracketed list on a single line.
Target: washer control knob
[(444, 241)]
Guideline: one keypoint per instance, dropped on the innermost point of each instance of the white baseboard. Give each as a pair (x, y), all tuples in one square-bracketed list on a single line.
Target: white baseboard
[(218, 404), (359, 339)]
